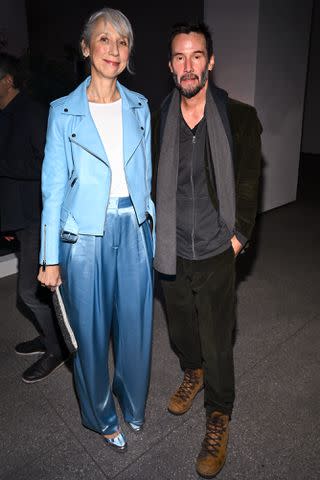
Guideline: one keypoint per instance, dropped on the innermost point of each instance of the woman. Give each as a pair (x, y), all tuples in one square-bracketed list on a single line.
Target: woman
[(96, 228)]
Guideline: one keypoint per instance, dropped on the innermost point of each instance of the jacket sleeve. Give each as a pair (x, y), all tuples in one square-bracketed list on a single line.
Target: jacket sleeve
[(148, 157), (54, 183), (248, 170)]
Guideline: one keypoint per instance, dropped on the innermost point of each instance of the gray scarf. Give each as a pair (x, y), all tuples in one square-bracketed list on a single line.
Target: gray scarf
[(165, 257)]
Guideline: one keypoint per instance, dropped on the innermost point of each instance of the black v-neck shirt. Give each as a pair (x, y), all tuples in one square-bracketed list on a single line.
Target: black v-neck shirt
[(200, 231)]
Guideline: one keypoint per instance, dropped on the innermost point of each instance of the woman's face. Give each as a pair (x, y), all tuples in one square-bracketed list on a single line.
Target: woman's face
[(108, 51)]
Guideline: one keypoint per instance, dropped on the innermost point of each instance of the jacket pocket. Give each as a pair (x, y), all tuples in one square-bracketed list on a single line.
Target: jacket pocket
[(149, 220), (69, 227), (69, 194)]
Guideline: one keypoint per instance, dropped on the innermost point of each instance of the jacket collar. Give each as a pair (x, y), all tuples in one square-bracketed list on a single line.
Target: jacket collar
[(221, 99), (86, 135), (220, 96), (76, 103)]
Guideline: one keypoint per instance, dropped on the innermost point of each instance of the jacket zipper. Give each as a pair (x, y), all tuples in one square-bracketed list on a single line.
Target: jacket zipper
[(44, 247), (96, 156), (193, 200), (105, 215), (89, 151)]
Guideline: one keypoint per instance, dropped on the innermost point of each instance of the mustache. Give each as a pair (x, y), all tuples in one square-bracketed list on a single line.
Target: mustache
[(189, 76)]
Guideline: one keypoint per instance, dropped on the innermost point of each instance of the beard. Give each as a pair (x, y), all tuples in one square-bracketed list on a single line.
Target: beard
[(191, 91)]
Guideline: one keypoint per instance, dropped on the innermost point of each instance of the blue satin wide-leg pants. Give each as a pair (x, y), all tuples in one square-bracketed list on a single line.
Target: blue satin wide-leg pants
[(108, 292)]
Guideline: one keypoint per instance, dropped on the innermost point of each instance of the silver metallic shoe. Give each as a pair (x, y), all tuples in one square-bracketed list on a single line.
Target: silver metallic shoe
[(134, 427), (119, 442)]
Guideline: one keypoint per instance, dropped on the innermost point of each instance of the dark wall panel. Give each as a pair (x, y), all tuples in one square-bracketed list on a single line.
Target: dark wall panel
[(54, 30), (13, 27)]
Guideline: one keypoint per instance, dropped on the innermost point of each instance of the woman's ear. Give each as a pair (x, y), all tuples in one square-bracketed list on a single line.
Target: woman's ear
[(85, 49)]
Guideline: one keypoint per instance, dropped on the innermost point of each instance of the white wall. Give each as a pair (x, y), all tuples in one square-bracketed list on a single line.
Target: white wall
[(310, 135), (235, 43), (8, 265), (261, 52)]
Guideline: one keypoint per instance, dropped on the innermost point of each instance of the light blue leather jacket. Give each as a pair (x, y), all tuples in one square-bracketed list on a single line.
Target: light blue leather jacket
[(76, 175)]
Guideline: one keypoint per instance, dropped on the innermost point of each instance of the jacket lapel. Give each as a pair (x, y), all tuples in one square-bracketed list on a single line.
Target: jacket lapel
[(131, 127), (86, 134), (87, 137)]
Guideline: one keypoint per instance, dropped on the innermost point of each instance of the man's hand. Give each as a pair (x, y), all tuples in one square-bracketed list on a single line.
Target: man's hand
[(236, 245), (50, 277), (8, 238)]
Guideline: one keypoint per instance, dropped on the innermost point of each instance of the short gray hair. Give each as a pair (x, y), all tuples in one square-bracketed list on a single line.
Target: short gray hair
[(117, 19)]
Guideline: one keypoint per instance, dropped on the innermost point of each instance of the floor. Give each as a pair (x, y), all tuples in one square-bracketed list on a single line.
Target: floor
[(275, 430)]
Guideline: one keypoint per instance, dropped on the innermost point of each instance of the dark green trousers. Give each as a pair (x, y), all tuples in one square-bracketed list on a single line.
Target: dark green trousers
[(200, 303)]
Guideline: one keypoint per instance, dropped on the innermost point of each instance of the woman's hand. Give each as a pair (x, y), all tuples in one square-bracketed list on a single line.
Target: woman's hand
[(50, 277)]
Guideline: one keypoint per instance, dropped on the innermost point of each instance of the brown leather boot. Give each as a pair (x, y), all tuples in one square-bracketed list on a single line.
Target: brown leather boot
[(182, 399), (214, 446)]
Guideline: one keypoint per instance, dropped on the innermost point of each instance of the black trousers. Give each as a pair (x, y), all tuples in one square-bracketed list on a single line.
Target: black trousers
[(200, 303), (36, 299)]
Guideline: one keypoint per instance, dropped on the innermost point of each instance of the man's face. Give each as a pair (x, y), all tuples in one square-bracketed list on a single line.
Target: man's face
[(3, 86), (189, 63)]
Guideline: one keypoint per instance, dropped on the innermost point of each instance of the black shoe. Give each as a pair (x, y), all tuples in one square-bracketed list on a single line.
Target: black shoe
[(42, 368), (31, 347)]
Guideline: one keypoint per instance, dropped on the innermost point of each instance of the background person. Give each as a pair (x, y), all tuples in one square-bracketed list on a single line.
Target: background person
[(23, 125)]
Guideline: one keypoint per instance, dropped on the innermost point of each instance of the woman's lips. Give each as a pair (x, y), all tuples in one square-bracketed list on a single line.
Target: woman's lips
[(110, 62)]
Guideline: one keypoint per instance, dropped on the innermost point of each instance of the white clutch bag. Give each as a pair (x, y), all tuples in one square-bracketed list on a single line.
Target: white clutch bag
[(63, 321)]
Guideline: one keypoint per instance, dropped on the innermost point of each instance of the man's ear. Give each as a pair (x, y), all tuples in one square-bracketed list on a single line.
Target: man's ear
[(9, 80), (170, 66), (211, 63)]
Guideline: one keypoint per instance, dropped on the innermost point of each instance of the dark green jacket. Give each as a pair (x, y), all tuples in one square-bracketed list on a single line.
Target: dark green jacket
[(243, 130)]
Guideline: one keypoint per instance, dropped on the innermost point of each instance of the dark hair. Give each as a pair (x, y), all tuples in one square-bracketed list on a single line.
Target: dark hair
[(10, 65), (201, 28)]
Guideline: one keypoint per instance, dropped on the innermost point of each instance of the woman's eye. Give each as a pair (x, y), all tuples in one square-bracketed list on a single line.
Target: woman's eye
[(104, 39), (123, 43)]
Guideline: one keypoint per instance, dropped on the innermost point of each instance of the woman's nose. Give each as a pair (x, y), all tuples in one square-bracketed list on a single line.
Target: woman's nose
[(113, 48)]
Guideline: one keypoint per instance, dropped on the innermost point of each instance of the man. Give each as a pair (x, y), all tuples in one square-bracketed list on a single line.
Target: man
[(22, 136), (207, 174)]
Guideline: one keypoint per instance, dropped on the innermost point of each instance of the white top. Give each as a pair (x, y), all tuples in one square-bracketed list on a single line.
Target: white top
[(108, 120)]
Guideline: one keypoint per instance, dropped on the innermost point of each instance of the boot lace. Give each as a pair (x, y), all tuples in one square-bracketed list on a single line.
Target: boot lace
[(190, 380), (216, 427)]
